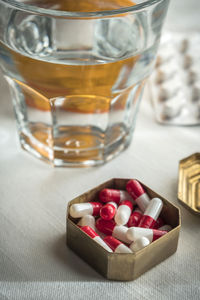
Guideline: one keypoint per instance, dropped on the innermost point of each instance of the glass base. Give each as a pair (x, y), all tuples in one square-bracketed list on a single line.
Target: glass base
[(62, 153)]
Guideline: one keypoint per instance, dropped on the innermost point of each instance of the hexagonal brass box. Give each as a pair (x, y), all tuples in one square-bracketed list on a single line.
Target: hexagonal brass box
[(189, 183), (116, 266)]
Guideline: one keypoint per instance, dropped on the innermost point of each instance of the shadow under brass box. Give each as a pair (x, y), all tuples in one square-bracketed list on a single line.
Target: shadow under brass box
[(189, 183), (115, 266)]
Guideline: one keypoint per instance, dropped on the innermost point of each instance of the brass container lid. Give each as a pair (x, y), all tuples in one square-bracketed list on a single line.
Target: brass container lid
[(189, 183)]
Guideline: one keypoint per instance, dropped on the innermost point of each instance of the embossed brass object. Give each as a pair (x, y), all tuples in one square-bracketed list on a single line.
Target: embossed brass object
[(189, 183), (116, 266)]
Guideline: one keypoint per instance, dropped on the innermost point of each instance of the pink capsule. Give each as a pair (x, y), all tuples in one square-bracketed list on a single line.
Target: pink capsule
[(79, 210), (137, 192), (108, 211), (108, 195), (159, 222), (123, 212), (151, 213), (134, 233), (116, 245), (110, 228), (165, 227), (135, 218), (89, 231)]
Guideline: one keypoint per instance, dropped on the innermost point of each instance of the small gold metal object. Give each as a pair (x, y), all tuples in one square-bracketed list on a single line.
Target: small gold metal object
[(189, 183)]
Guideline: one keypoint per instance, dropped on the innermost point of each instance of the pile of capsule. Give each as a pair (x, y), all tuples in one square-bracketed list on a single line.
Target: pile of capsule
[(122, 221)]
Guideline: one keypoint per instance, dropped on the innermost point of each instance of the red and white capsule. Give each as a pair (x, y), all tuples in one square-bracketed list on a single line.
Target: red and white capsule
[(110, 228), (108, 211), (135, 189), (87, 220), (151, 213), (159, 222), (123, 212), (139, 244), (165, 227), (116, 245), (79, 210), (89, 231), (108, 195), (135, 218), (134, 233)]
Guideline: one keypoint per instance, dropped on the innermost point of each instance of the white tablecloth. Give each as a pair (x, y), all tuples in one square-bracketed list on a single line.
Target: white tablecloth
[(34, 260)]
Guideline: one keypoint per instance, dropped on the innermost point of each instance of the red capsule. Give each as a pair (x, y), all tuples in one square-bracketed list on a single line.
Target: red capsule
[(137, 192), (134, 188), (89, 231), (105, 226), (116, 245), (151, 213), (108, 211), (110, 228), (96, 208), (112, 195), (78, 210), (135, 218), (134, 233), (159, 223)]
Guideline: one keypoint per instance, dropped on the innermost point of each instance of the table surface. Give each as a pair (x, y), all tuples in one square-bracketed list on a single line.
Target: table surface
[(34, 260)]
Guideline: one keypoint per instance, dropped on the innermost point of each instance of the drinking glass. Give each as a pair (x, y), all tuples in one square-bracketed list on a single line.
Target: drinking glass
[(76, 72)]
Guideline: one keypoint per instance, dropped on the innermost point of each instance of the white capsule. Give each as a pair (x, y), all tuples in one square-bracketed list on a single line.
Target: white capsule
[(120, 233), (116, 245), (173, 107), (94, 235), (196, 91), (190, 60), (136, 190), (125, 196), (123, 212), (165, 227), (190, 43), (134, 233), (166, 71), (143, 201), (79, 210), (139, 244), (187, 61), (122, 216), (99, 240), (154, 208), (169, 88), (193, 53), (194, 74), (183, 45), (87, 220), (123, 249)]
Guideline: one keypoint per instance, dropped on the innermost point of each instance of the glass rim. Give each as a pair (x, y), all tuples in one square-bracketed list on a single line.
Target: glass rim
[(69, 14)]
